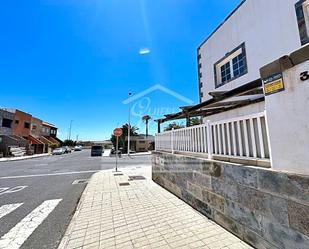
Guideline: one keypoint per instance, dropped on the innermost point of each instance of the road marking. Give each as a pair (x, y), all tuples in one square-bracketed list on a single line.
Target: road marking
[(3, 189), (13, 190), (9, 208), (54, 174), (20, 233)]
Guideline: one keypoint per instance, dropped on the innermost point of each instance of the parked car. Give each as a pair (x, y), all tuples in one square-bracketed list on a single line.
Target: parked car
[(58, 151), (78, 148), (67, 149), (113, 152), (96, 150)]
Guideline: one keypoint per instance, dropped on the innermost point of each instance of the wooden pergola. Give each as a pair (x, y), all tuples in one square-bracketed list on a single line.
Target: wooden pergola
[(221, 101)]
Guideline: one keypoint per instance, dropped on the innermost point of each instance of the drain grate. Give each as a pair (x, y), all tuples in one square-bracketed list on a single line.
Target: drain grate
[(118, 174), (124, 184), (132, 178), (80, 181)]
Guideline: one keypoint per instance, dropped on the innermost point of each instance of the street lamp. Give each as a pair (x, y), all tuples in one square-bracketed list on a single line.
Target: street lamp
[(129, 125), (70, 129)]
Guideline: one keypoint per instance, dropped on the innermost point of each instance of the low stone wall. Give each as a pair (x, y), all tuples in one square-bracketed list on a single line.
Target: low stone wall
[(267, 209)]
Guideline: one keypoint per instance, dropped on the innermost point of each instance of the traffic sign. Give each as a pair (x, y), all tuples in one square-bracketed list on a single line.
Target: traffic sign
[(118, 132)]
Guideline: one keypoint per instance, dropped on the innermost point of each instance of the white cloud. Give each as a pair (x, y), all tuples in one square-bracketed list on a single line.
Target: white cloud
[(143, 51)]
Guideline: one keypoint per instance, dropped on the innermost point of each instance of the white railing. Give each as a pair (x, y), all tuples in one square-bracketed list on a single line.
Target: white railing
[(244, 137)]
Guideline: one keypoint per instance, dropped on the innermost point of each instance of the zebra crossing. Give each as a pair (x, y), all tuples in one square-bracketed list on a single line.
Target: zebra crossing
[(16, 237)]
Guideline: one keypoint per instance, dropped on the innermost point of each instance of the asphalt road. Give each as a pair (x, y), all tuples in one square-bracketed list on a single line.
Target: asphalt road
[(37, 197)]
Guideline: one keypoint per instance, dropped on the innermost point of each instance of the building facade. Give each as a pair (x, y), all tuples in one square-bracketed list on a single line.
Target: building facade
[(249, 38), (6, 122), (21, 124), (49, 130), (36, 127)]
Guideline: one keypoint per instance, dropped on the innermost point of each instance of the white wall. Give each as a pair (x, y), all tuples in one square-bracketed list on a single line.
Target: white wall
[(268, 27), (243, 111), (287, 116)]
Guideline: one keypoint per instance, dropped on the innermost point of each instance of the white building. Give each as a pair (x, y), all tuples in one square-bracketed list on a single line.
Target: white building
[(254, 34), (234, 97)]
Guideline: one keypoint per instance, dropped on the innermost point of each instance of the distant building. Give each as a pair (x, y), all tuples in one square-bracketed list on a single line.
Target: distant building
[(20, 129), (6, 122), (36, 127), (21, 124), (143, 143)]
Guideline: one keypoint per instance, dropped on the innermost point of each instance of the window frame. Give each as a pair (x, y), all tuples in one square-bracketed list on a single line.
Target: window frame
[(4, 120), (303, 6), (228, 59), (27, 125)]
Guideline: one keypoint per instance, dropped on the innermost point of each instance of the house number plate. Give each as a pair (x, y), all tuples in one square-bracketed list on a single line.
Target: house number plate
[(304, 76)]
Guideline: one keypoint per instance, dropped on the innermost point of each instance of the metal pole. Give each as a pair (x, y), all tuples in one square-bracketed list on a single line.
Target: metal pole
[(172, 141), (129, 126), (70, 129), (117, 154)]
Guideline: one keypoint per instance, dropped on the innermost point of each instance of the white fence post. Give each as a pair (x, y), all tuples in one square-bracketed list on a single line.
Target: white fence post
[(209, 139), (172, 141)]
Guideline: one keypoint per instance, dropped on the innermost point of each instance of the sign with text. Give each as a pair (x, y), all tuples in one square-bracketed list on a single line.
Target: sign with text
[(273, 84)]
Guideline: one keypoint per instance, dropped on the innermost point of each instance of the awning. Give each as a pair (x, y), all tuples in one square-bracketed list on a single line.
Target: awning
[(34, 140), (221, 101), (45, 140)]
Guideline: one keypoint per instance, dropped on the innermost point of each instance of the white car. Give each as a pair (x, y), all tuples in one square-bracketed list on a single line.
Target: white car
[(58, 151), (78, 148)]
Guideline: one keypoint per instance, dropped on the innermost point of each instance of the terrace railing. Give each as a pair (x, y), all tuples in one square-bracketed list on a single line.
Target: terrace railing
[(243, 137)]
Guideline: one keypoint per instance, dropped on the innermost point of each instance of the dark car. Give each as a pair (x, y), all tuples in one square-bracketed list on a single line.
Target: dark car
[(96, 150), (66, 149)]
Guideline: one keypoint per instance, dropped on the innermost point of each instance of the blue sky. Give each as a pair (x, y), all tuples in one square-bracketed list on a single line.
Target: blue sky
[(65, 60)]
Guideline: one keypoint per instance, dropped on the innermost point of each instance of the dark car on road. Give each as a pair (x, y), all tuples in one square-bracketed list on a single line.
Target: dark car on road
[(96, 150), (66, 149)]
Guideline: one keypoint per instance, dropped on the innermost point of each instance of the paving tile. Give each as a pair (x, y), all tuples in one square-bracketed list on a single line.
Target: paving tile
[(141, 215)]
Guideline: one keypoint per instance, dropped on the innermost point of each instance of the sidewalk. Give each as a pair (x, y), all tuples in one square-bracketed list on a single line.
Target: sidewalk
[(139, 215), (22, 157)]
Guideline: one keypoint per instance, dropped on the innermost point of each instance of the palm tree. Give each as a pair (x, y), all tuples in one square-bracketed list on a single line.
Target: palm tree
[(146, 119)]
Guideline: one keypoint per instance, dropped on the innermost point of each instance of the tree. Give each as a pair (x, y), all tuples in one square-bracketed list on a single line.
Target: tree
[(146, 119), (195, 121), (68, 142), (122, 140), (174, 126)]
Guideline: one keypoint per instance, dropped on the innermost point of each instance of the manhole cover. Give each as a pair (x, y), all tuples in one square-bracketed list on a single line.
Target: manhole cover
[(124, 184), (132, 178), (118, 174), (80, 181)]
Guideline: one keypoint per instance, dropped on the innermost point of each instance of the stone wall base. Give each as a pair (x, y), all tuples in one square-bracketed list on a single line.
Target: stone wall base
[(265, 208)]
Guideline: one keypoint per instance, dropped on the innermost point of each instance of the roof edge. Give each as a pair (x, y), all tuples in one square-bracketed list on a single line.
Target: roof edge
[(221, 24)]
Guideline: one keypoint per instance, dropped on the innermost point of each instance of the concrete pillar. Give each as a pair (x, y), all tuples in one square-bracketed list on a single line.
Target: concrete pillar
[(286, 87)]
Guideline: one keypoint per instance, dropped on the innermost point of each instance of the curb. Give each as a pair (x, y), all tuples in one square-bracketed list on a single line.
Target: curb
[(64, 240), (22, 158)]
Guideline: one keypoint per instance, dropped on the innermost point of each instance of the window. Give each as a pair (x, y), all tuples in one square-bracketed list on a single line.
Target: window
[(16, 121), (7, 123), (225, 72), (232, 66), (34, 127), (302, 13), (27, 125)]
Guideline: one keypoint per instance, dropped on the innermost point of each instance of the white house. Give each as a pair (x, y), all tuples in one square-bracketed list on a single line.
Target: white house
[(234, 97), (254, 34)]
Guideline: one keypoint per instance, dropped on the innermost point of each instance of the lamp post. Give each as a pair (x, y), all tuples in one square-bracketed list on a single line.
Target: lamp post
[(129, 125), (70, 129)]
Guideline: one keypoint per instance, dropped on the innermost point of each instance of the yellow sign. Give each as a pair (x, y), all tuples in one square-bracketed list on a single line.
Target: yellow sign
[(273, 84)]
